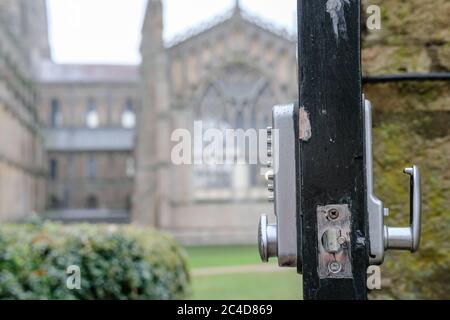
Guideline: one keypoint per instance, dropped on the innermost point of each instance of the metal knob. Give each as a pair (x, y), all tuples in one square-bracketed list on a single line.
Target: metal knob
[(267, 239), (408, 238)]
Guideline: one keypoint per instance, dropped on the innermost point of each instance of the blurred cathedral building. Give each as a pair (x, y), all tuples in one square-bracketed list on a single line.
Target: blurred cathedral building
[(93, 142)]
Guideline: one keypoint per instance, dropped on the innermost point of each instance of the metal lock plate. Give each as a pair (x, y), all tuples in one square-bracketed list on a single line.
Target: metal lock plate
[(333, 225)]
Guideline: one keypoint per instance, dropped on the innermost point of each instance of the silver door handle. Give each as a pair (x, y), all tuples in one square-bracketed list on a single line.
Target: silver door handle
[(382, 237), (408, 238)]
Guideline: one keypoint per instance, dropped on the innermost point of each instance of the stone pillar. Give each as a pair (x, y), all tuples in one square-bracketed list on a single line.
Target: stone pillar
[(152, 186)]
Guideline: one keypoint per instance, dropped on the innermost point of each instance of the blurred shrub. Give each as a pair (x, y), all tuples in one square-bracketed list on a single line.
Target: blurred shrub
[(115, 263)]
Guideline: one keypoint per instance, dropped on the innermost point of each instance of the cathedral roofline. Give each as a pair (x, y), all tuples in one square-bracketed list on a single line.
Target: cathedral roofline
[(236, 11), (88, 73)]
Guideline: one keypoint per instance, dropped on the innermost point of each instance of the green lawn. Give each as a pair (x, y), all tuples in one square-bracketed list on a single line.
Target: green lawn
[(284, 285), (220, 256), (242, 285)]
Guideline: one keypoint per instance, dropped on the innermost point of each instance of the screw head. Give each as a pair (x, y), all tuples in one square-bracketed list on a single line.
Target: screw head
[(334, 267), (333, 214)]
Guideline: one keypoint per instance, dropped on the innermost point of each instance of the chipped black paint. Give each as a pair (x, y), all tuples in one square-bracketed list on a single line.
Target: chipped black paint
[(331, 161)]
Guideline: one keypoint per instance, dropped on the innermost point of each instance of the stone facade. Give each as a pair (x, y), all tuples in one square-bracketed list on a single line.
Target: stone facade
[(411, 126), (228, 73), (88, 113), (23, 34)]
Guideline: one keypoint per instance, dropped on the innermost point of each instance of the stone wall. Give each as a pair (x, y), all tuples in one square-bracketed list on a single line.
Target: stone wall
[(22, 173), (412, 126), (75, 186)]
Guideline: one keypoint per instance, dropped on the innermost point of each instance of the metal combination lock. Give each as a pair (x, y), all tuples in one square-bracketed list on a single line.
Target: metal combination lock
[(280, 239), (333, 226)]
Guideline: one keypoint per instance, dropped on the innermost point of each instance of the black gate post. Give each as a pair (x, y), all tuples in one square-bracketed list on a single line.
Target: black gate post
[(331, 153)]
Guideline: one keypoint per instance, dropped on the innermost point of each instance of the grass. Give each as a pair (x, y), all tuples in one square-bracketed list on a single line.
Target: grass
[(241, 285), (221, 256), (284, 285)]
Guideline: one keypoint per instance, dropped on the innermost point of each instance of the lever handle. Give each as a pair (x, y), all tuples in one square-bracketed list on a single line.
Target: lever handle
[(408, 238)]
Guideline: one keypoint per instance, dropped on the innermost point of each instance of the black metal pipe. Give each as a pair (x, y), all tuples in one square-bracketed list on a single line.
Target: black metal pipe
[(436, 76)]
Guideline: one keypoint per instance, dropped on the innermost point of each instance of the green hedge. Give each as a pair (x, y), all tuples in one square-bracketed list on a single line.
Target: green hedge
[(115, 263)]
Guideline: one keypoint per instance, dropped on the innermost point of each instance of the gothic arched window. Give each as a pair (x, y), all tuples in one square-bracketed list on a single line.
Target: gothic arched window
[(211, 113), (239, 98)]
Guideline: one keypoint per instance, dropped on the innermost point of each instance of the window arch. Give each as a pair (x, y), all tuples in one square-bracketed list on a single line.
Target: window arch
[(128, 117), (92, 202), (54, 203), (240, 97), (55, 114), (53, 168), (212, 111), (92, 117)]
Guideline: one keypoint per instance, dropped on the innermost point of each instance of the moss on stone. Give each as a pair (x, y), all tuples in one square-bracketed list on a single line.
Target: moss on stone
[(412, 21), (400, 139)]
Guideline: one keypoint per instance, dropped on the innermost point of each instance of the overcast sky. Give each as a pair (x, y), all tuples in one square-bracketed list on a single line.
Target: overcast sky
[(108, 31)]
